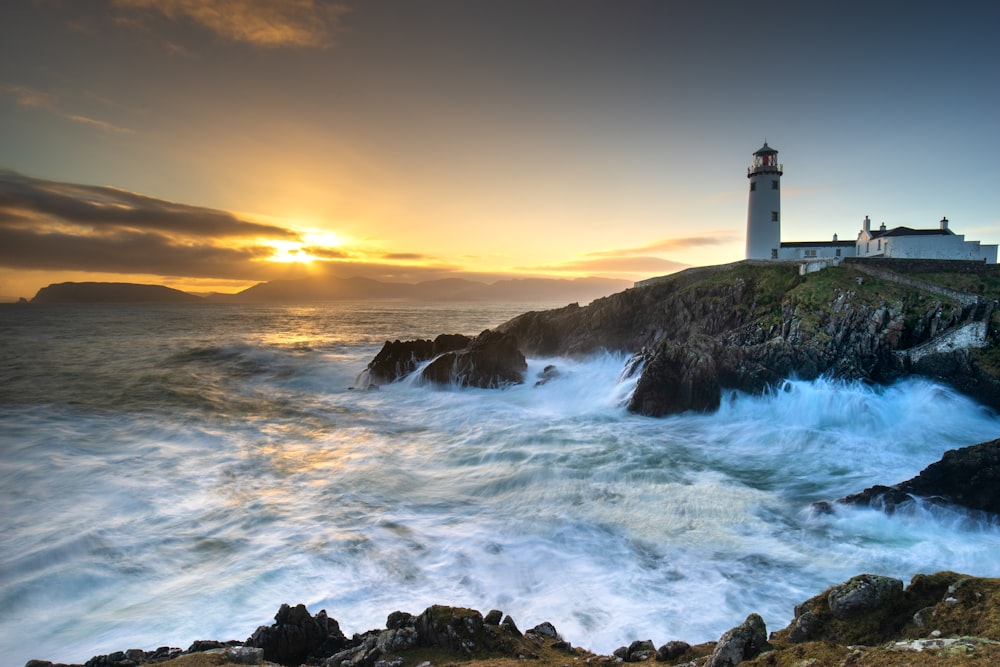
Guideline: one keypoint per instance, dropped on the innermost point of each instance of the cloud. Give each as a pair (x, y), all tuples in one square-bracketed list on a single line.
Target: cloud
[(672, 245), (268, 23), (401, 256), (36, 99), (52, 225), (617, 265), (106, 209)]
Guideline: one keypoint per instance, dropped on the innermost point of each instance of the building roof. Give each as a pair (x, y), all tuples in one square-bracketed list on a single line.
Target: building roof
[(906, 231), (817, 244), (765, 150)]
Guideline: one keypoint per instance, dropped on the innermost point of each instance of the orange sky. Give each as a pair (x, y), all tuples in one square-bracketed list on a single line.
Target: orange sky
[(192, 143)]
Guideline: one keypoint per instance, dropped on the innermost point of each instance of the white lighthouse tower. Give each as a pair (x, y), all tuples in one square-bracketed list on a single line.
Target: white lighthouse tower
[(764, 210)]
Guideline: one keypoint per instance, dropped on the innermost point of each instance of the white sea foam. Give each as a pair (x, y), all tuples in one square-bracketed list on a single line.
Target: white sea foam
[(247, 475)]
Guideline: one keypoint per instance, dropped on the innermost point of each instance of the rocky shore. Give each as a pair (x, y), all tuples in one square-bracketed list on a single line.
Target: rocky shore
[(939, 619), (747, 326)]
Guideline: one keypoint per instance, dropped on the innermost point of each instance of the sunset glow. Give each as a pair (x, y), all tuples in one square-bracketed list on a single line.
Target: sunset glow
[(237, 142)]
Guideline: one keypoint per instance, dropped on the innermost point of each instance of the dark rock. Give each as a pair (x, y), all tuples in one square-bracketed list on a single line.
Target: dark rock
[(805, 627), (548, 373), (509, 626), (492, 360), (863, 593), (969, 477), (493, 617), (744, 642), (453, 629), (639, 650), (399, 619), (545, 629), (204, 645), (296, 635), (397, 359), (679, 376), (672, 650)]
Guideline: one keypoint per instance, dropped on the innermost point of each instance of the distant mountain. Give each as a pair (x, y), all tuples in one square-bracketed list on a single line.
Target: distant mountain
[(449, 289), (519, 290), (112, 293)]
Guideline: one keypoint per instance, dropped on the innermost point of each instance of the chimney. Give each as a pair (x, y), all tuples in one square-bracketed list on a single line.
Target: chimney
[(834, 238), (881, 227), (944, 224), (868, 224)]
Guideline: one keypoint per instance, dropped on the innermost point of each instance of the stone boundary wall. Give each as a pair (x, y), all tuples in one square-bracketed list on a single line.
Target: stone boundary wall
[(923, 265), (889, 269)]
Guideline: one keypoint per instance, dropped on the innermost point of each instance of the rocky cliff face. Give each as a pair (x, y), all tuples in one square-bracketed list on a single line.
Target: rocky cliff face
[(748, 326)]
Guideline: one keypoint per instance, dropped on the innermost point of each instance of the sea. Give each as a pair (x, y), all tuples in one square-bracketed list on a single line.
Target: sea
[(170, 473)]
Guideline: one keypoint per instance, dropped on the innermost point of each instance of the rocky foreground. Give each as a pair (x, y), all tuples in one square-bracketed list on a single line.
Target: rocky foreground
[(940, 619)]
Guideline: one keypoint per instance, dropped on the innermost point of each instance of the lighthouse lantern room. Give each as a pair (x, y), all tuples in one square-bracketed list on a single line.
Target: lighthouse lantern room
[(764, 209)]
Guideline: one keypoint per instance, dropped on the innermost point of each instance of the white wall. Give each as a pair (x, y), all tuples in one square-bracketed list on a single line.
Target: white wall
[(763, 234)]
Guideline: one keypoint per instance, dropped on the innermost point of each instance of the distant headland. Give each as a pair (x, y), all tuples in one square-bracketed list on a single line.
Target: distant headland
[(515, 290)]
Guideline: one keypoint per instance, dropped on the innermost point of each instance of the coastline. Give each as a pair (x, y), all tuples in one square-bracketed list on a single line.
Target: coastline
[(940, 619)]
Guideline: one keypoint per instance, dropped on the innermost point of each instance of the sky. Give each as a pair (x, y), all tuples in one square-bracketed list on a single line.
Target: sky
[(212, 144)]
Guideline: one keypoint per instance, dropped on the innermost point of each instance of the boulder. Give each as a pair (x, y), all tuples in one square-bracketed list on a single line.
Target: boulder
[(492, 360), (451, 628), (397, 359), (863, 593), (744, 642), (296, 634), (672, 650), (969, 477)]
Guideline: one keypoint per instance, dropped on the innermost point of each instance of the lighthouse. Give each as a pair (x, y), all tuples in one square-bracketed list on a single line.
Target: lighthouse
[(764, 209)]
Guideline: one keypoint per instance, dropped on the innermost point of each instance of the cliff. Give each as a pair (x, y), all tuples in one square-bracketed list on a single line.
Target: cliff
[(748, 326)]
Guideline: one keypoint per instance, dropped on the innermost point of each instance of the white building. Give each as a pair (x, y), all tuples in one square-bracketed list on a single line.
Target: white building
[(935, 243), (764, 229)]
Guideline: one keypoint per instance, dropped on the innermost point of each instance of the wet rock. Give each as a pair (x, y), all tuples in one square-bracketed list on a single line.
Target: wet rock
[(548, 373), (672, 650), (397, 359), (969, 477), (744, 642), (492, 360), (296, 634)]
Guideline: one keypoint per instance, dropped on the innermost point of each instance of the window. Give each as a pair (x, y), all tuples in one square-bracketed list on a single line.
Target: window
[(774, 253), (810, 253), (753, 185), (774, 184), (838, 252), (774, 216)]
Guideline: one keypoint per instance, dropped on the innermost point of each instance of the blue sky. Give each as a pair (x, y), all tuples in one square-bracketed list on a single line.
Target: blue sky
[(416, 140)]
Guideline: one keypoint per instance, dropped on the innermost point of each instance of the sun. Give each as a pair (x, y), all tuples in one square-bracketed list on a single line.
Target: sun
[(312, 246), (291, 252)]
